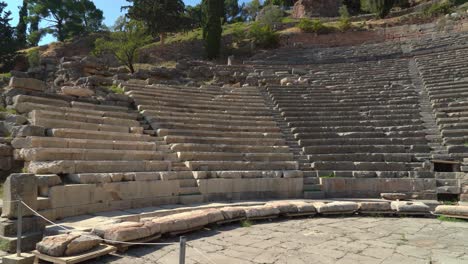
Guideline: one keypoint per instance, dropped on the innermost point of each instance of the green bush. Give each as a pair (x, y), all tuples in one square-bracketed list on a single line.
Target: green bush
[(116, 89), (312, 26), (344, 22), (437, 9), (270, 15), (380, 8), (34, 58), (263, 36), (238, 32)]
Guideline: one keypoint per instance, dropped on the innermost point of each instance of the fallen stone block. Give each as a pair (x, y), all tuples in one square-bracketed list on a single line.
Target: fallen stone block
[(230, 213), (83, 243), (77, 91), (125, 233), (452, 210), (283, 206), (27, 84), (410, 207), (261, 211), (304, 208), (337, 207), (55, 246), (393, 196), (374, 206)]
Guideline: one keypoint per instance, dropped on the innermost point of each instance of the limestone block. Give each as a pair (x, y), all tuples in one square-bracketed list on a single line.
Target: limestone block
[(284, 207), (234, 212), (71, 195), (337, 207), (89, 178), (293, 174), (81, 244), (27, 84), (27, 131), (261, 211), (394, 196), (213, 215), (147, 176), (455, 210), (19, 186), (303, 207), (374, 206), (78, 91), (55, 246), (403, 206), (127, 233)]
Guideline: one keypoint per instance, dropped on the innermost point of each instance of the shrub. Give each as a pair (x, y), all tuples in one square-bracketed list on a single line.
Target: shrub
[(270, 15), (344, 23), (238, 32), (263, 36), (34, 58), (440, 8), (380, 8), (116, 89), (315, 25)]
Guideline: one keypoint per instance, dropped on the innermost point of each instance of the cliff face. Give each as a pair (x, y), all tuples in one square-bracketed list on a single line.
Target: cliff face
[(316, 8)]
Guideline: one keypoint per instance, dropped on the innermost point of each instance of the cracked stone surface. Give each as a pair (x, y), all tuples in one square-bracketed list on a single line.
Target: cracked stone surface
[(316, 240)]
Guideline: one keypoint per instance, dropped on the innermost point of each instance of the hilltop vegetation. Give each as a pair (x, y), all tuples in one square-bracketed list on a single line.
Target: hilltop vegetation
[(221, 27)]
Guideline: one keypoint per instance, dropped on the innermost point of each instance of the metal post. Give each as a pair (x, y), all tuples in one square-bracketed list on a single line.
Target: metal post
[(183, 241), (19, 230)]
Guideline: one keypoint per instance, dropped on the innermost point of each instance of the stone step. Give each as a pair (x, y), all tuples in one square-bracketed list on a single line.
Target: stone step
[(83, 118), (311, 180), (212, 102), (373, 174), (353, 135), (225, 156), (367, 149), (52, 142), (224, 140), (356, 128), (362, 157), (75, 167), (228, 148), (51, 154), (96, 107), (210, 121), (206, 115), (241, 165), (362, 141), (179, 132), (96, 135), (447, 182), (210, 127), (188, 183), (374, 123), (101, 178), (57, 123), (364, 166), (184, 109)]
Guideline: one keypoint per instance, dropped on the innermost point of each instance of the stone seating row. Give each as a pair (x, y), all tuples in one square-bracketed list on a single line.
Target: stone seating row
[(231, 129)]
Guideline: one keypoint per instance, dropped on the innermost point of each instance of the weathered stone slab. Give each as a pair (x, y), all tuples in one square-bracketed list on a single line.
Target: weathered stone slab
[(261, 211), (55, 246), (454, 210), (19, 186), (393, 196), (81, 244), (374, 206), (337, 207), (403, 206), (77, 91), (27, 84)]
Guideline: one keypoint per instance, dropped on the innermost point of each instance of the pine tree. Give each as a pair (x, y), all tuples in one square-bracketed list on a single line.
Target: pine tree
[(380, 7)]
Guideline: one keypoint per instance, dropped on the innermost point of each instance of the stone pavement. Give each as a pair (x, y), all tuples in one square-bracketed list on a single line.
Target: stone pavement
[(318, 240)]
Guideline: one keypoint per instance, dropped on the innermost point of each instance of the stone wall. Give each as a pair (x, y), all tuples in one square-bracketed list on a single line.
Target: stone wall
[(351, 38), (371, 188)]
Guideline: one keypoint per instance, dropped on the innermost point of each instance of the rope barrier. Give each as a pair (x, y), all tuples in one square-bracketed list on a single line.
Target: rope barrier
[(105, 240)]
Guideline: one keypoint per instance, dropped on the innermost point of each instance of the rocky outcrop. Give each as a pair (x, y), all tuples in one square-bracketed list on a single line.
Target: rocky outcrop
[(316, 8)]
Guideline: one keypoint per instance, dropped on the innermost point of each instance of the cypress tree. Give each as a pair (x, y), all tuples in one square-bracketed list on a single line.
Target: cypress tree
[(22, 25), (213, 13)]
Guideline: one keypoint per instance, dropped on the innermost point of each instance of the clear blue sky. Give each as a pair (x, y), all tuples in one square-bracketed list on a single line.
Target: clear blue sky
[(111, 9)]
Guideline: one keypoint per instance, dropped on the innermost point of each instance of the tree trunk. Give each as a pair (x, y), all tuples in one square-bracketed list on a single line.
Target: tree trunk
[(162, 38)]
